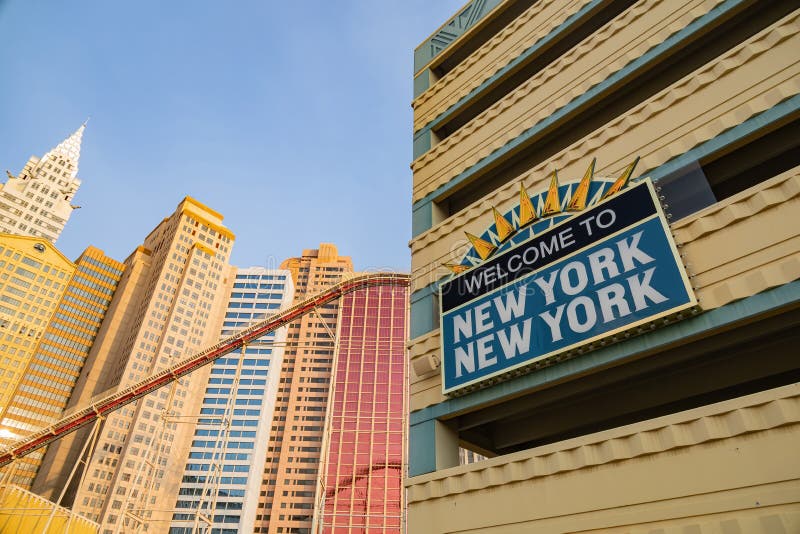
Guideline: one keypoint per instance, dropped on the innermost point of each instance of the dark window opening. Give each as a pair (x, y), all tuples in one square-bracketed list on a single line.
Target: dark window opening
[(744, 360), (701, 184)]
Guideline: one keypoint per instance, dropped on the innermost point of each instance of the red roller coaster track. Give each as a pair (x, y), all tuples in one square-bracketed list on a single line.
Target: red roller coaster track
[(97, 408)]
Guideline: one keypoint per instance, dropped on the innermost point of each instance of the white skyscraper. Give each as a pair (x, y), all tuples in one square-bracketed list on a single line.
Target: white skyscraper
[(38, 200), (222, 475)]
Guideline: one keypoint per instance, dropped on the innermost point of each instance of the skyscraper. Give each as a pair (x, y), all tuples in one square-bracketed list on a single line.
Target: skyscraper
[(162, 311), (37, 201), (33, 277), (361, 484), (222, 475), (290, 472), (47, 381)]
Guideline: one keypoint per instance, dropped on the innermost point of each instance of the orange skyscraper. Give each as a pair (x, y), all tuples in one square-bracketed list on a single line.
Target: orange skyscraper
[(286, 503)]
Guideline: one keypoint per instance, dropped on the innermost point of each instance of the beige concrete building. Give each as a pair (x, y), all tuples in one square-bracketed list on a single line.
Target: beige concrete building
[(286, 503), (37, 201), (46, 383), (163, 310), (683, 420)]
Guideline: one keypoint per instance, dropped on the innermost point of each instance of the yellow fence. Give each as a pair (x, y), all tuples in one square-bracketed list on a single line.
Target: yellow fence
[(23, 511)]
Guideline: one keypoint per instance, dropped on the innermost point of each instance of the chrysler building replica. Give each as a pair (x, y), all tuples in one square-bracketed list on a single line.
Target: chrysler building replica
[(37, 202)]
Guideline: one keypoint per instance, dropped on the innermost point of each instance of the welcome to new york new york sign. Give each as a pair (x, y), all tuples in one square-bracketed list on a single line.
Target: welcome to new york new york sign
[(606, 270)]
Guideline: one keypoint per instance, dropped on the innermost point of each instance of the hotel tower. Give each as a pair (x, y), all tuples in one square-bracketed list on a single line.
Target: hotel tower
[(286, 501), (163, 310), (222, 473)]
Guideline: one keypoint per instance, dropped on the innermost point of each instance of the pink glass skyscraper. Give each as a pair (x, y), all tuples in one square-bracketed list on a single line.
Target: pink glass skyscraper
[(363, 452)]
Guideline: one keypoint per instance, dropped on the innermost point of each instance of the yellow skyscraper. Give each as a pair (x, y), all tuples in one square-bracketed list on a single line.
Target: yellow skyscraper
[(33, 277), (47, 381)]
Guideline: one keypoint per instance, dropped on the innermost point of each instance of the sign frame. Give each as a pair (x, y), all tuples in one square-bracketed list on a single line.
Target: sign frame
[(612, 336)]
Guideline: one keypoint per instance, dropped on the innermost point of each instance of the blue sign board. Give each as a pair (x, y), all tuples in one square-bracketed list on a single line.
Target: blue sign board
[(608, 269)]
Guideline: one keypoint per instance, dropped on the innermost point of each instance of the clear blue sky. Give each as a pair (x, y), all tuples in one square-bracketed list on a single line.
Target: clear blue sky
[(274, 113)]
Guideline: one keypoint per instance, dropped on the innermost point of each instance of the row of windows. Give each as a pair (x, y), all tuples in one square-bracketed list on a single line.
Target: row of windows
[(67, 342), (28, 414), (238, 411), (236, 468), (10, 300), (240, 324), (231, 434), (239, 402), (256, 305), (102, 266), (222, 492), (245, 315), (260, 277), (29, 274), (255, 285), (33, 263), (19, 399), (227, 391), (20, 282), (248, 402), (74, 320), (92, 284), (15, 291), (74, 331), (25, 272), (79, 312), (49, 382), (220, 505), (243, 381), (80, 302), (36, 390), (248, 362), (245, 372), (261, 296), (230, 456), (53, 372), (88, 296), (231, 444), (59, 362)]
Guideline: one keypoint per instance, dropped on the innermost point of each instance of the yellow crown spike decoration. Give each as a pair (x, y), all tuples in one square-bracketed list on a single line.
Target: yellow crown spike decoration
[(552, 203), (622, 181), (502, 226), (457, 268), (482, 247), (578, 200), (527, 214)]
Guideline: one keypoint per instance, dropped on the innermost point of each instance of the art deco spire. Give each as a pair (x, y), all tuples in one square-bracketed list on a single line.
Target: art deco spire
[(70, 147)]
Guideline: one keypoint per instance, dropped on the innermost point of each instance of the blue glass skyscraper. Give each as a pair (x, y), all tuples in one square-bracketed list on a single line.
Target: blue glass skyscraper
[(218, 492)]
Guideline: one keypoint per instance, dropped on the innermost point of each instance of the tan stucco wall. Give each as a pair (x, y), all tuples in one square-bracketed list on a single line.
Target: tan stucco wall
[(731, 467)]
